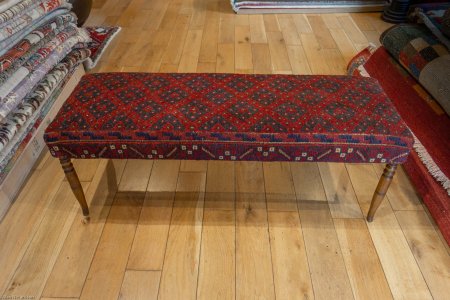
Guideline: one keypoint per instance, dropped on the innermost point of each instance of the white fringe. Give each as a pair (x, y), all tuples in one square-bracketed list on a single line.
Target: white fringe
[(431, 165)]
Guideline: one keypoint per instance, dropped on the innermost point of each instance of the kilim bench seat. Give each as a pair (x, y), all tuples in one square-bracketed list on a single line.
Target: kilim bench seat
[(229, 117)]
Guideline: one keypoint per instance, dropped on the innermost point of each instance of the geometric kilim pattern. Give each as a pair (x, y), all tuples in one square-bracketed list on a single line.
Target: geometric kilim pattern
[(229, 117)]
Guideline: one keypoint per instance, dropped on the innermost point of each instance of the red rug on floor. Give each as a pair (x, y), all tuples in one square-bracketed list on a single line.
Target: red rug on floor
[(101, 37), (426, 119)]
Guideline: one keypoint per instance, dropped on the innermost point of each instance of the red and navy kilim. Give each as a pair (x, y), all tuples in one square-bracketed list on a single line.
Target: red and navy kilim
[(229, 117)]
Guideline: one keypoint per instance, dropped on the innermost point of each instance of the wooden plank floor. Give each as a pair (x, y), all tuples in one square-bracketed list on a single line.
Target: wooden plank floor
[(222, 230)]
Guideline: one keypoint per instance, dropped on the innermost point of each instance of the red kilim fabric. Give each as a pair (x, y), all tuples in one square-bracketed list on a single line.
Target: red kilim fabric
[(229, 117)]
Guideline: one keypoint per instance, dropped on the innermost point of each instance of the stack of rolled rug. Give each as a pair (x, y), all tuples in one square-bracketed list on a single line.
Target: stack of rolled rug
[(40, 47)]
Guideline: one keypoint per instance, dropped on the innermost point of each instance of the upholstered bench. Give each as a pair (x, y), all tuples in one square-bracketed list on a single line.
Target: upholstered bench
[(229, 117)]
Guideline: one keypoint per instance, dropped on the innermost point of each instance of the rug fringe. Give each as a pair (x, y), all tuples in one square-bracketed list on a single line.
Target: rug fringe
[(89, 63), (432, 167)]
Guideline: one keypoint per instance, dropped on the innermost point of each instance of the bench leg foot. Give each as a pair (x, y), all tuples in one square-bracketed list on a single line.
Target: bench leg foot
[(75, 184), (381, 190)]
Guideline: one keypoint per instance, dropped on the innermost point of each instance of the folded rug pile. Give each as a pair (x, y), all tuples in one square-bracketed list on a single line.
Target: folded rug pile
[(40, 47)]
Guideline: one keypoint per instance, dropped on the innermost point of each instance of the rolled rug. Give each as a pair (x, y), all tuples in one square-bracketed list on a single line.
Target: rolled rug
[(423, 56)]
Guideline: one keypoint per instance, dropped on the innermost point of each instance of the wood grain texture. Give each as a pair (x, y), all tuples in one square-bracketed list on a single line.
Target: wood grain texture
[(22, 220), (257, 29), (243, 48), (140, 285), (365, 273), (280, 192), (326, 263), (307, 181), (403, 274), (427, 248), (254, 278), (220, 185), (149, 245), (278, 51), (338, 188), (290, 265), (41, 254), (217, 273), (181, 267), (135, 175), (108, 265), (72, 265), (191, 51)]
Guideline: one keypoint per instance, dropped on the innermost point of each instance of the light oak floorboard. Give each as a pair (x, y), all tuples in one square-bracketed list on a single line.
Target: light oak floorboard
[(220, 185), (149, 245), (40, 256), (108, 265), (326, 263), (217, 273), (254, 277), (307, 182), (257, 29), (140, 285), (180, 271), (365, 273), (135, 175), (73, 262), (24, 216), (290, 265), (280, 191), (431, 255), (340, 194)]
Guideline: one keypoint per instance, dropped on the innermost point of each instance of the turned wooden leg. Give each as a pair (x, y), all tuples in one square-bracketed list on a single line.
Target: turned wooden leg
[(381, 190), (75, 184)]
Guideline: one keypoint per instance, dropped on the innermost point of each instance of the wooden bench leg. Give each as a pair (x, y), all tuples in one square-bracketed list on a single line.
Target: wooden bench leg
[(75, 184), (381, 190)]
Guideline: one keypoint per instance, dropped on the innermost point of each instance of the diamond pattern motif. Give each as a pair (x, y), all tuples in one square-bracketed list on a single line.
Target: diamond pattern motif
[(174, 95), (147, 109), (264, 96), (198, 84), (102, 108), (194, 109), (309, 96), (340, 111), (219, 96), (290, 111), (240, 84), (118, 122), (326, 85), (242, 110), (130, 94)]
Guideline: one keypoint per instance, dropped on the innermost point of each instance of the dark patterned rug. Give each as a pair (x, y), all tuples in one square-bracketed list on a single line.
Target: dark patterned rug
[(275, 6)]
